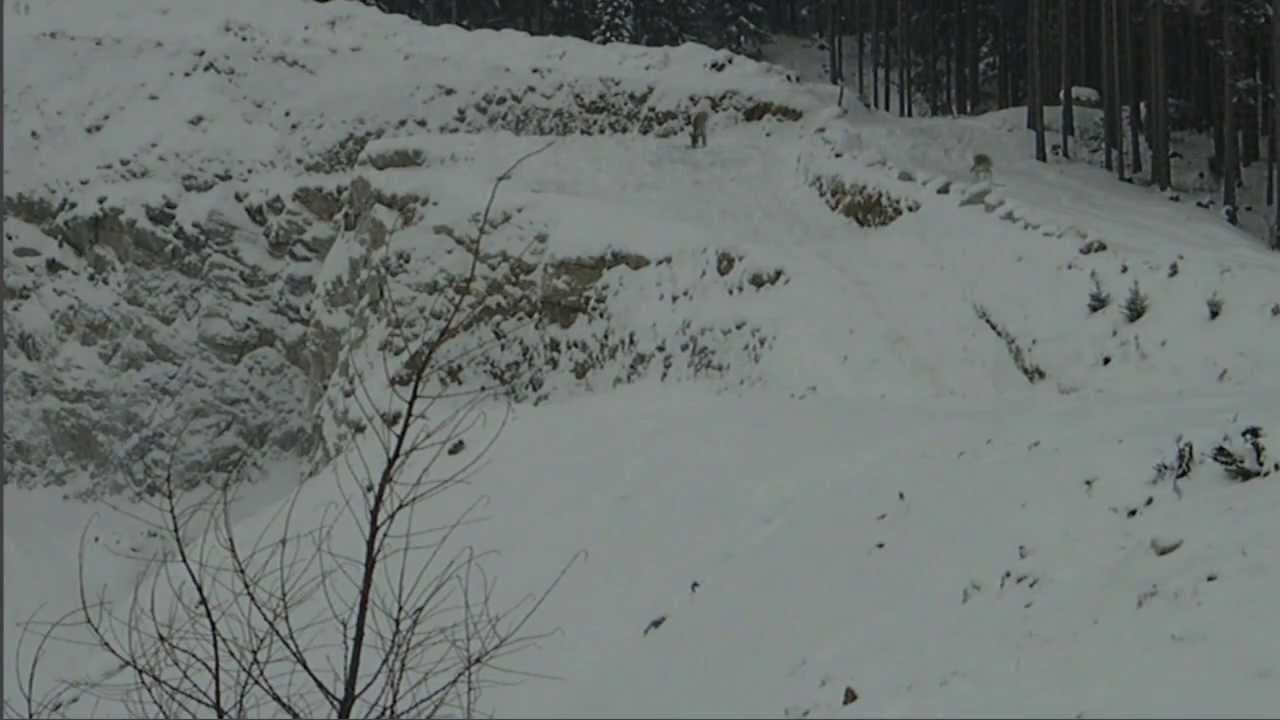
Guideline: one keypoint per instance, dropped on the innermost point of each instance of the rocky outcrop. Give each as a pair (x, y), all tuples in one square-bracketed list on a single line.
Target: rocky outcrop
[(533, 326), (138, 345), (192, 301), (148, 338)]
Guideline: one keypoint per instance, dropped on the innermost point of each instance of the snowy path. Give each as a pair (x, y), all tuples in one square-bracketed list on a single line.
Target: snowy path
[(743, 191)]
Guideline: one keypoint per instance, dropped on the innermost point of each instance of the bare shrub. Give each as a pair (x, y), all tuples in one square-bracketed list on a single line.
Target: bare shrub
[(360, 607), (1021, 356)]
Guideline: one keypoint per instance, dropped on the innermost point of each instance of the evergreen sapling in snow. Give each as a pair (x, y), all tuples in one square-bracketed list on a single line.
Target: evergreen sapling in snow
[(1214, 304), (1099, 299), (1136, 305)]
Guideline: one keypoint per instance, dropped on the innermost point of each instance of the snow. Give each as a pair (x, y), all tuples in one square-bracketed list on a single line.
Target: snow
[(878, 500)]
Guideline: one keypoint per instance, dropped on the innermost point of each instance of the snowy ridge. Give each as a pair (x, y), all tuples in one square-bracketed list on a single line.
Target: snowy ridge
[(244, 90)]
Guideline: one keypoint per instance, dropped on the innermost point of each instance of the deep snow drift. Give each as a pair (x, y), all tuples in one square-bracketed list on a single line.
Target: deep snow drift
[(857, 399)]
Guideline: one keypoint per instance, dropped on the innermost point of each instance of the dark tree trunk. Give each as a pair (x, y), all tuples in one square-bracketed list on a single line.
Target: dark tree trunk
[(949, 55), (1158, 125), (1082, 61), (902, 58), (1131, 86), (888, 72), (910, 37), (1229, 162), (1004, 90), (1108, 116), (962, 40), (933, 57), (1275, 108), (1117, 87), (1251, 141), (875, 53), (1036, 94), (862, 48), (1067, 120), (972, 49), (833, 55), (840, 33)]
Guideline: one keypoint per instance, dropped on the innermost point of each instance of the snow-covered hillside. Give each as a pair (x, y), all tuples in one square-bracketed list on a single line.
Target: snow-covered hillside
[(837, 418)]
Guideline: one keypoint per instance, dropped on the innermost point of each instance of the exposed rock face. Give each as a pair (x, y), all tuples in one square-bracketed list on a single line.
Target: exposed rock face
[(192, 303), (131, 338), (146, 340)]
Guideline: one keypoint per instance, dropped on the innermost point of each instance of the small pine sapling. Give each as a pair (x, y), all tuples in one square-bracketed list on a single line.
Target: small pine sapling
[(1099, 299), (1215, 305), (1173, 269), (1275, 310), (1137, 304)]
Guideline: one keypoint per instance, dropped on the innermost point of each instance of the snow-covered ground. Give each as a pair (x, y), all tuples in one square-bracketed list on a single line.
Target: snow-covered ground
[(860, 489)]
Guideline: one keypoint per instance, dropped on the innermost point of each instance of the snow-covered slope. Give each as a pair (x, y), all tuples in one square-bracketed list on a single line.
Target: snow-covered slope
[(194, 163), (841, 417)]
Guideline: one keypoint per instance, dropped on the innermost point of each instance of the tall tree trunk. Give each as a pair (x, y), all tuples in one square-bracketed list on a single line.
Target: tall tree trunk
[(1197, 66), (1131, 86), (1117, 86), (972, 49), (1251, 141), (902, 59), (1004, 93), (840, 33), (1033, 75), (958, 11), (909, 65), (862, 47), (1138, 55), (875, 53), (1275, 107), (888, 65), (949, 55), (1160, 158), (1035, 98), (933, 57), (1108, 94), (1068, 119), (833, 58), (1229, 163), (1082, 62)]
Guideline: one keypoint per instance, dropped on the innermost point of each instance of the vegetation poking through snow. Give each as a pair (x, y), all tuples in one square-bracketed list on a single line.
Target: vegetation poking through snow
[(1099, 299), (867, 206), (1214, 303), (1021, 357), (1136, 304), (1247, 460)]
